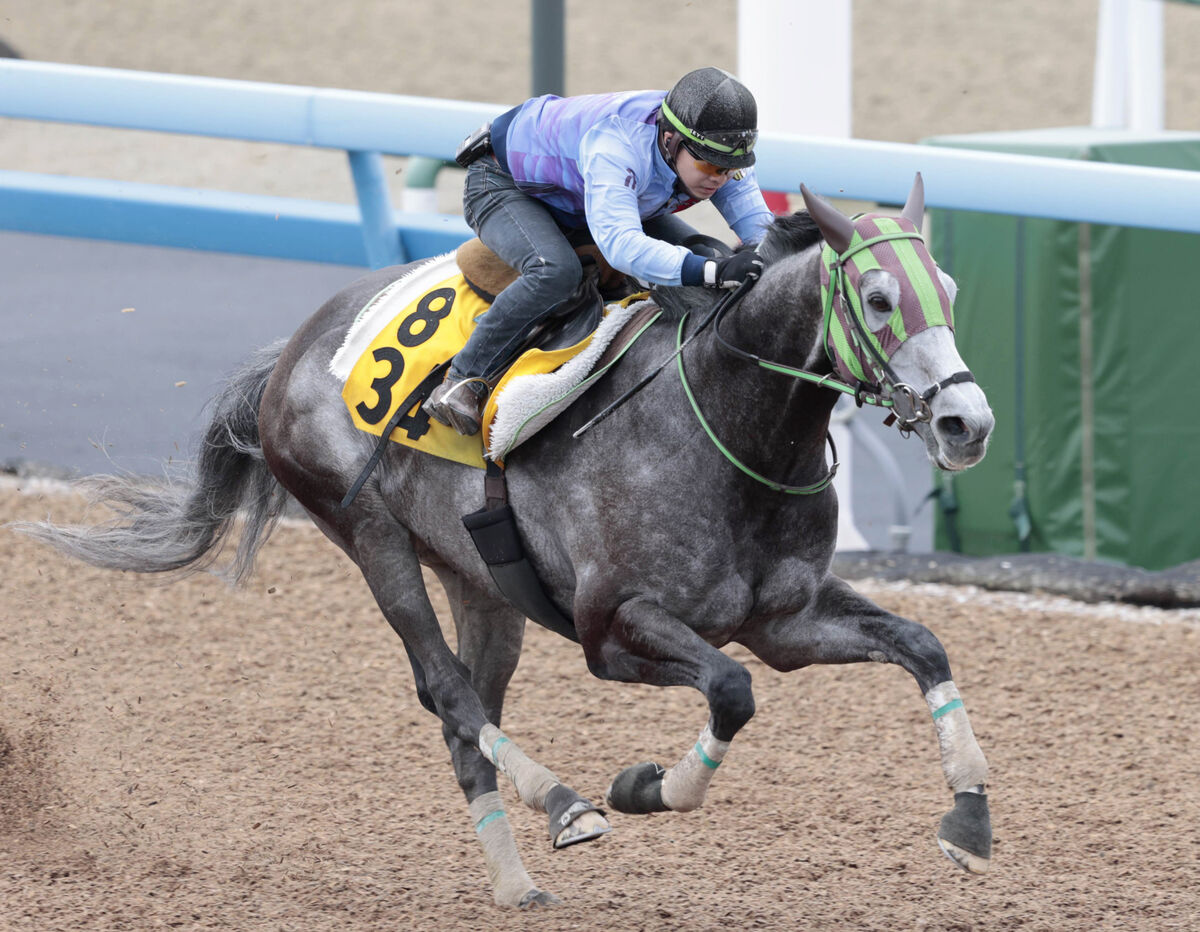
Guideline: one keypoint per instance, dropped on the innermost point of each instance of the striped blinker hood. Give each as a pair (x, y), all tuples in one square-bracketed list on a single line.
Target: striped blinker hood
[(893, 244)]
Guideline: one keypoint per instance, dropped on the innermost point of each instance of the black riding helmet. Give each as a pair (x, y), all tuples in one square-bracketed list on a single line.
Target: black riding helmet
[(713, 115)]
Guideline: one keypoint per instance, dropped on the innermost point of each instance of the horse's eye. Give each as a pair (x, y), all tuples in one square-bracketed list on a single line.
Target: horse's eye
[(879, 302)]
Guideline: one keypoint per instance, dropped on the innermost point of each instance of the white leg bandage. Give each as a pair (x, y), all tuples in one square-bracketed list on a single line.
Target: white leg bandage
[(532, 780), (507, 874), (685, 784), (962, 762)]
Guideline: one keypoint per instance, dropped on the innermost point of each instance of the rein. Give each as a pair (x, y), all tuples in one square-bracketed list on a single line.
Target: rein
[(863, 392), (812, 489), (728, 300), (881, 393)]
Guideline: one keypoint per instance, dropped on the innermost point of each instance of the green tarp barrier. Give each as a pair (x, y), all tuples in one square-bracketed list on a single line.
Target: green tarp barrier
[(1086, 339)]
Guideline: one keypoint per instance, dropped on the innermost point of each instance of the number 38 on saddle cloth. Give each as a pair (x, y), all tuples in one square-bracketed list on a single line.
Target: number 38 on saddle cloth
[(396, 350)]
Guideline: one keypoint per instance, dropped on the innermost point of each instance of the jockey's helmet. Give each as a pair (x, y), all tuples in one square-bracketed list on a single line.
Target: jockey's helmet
[(713, 115)]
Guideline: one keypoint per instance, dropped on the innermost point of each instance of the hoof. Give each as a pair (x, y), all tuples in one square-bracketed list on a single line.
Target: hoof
[(573, 819), (965, 834), (539, 899), (589, 825), (969, 862), (637, 790)]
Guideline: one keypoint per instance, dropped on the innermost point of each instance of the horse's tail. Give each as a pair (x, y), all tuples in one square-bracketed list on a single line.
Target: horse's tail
[(172, 526)]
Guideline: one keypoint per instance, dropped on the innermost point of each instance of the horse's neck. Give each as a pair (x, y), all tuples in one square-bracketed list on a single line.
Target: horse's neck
[(765, 417), (781, 317)]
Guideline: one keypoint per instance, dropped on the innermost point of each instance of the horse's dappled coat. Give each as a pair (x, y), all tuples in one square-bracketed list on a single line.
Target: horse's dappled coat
[(663, 551)]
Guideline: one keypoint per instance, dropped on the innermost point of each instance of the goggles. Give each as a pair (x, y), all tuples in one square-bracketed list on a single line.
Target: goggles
[(731, 142), (708, 168)]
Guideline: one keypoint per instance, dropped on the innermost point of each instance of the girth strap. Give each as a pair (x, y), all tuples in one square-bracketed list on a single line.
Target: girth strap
[(494, 532)]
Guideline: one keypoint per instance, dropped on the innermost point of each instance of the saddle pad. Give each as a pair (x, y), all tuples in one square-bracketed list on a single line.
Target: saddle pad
[(420, 321), (401, 335), (540, 386)]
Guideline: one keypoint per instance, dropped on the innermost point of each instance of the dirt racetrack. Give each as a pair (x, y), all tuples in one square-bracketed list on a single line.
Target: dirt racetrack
[(193, 757), (196, 757)]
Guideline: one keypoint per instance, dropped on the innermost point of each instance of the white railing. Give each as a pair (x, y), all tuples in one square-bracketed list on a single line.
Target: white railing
[(366, 125)]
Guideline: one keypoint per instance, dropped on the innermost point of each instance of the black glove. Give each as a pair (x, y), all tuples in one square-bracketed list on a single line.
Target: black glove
[(732, 270)]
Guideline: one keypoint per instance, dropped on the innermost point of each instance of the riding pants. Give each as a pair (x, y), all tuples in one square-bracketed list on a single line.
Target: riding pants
[(522, 231)]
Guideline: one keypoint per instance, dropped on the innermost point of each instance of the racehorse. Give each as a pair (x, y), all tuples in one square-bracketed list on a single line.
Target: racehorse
[(701, 513)]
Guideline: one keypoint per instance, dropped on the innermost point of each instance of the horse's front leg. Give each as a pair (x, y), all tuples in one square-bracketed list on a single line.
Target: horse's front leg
[(840, 626), (642, 643)]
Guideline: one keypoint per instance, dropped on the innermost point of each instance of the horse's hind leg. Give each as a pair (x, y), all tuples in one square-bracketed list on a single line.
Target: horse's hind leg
[(384, 552), (490, 632), (840, 626)]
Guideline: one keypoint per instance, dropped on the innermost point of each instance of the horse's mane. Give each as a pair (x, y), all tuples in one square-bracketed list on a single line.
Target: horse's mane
[(786, 236)]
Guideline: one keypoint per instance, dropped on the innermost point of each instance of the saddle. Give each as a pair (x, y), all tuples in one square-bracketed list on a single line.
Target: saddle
[(568, 322), (435, 306), (488, 274), (402, 341)]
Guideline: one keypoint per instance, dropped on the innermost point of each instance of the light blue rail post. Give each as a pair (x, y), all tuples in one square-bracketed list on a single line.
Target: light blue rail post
[(420, 183), (381, 236)]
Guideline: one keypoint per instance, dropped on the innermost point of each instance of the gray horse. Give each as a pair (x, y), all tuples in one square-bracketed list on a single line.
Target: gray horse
[(701, 513)]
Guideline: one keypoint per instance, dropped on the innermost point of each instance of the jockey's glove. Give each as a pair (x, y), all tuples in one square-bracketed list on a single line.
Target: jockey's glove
[(732, 270)]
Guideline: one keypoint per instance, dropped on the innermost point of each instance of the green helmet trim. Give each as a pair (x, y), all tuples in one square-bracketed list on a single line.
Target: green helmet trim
[(749, 136)]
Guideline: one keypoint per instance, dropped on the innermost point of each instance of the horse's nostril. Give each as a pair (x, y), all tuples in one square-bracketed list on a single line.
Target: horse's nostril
[(953, 428)]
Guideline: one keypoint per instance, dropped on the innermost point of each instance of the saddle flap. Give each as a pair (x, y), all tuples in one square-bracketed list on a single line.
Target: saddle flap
[(414, 326)]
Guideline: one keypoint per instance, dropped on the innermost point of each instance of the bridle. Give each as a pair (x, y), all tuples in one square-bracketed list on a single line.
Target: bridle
[(887, 385), (882, 392)]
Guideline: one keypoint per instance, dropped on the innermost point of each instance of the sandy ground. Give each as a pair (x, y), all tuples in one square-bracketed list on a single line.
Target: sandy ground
[(194, 757)]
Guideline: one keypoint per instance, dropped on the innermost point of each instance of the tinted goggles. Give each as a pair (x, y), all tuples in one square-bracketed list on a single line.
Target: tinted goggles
[(716, 171), (713, 171)]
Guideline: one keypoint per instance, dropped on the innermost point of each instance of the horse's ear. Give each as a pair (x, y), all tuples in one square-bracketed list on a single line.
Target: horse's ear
[(833, 224), (914, 207)]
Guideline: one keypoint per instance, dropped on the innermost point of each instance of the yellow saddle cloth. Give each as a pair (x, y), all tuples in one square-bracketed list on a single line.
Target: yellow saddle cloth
[(401, 335)]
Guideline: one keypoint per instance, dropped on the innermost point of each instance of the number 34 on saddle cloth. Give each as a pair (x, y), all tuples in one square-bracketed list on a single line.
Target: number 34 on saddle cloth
[(419, 322)]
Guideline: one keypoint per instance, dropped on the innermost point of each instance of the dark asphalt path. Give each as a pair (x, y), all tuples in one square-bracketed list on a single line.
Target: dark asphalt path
[(88, 386), (91, 386)]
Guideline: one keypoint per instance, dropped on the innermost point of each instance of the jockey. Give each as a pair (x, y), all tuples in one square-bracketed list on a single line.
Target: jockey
[(613, 167)]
